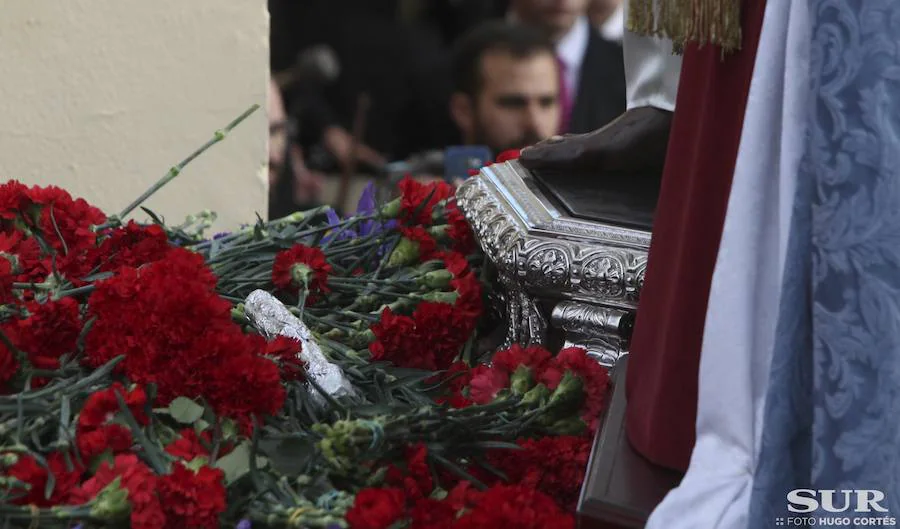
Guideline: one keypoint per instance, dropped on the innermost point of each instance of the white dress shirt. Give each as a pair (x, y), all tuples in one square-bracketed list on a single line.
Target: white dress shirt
[(570, 50), (613, 29)]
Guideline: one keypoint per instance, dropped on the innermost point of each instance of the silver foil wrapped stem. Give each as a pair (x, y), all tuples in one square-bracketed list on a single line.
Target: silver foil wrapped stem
[(272, 318)]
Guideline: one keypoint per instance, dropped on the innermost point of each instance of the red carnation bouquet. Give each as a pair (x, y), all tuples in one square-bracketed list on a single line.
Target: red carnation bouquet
[(136, 389)]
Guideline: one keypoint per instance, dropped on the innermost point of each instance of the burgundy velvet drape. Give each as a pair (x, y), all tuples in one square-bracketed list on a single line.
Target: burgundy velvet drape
[(661, 382)]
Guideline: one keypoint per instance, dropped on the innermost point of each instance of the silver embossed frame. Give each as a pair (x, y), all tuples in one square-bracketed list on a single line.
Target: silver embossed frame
[(543, 254)]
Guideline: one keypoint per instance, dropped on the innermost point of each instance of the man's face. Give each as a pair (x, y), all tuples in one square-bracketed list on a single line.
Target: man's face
[(555, 17), (518, 104)]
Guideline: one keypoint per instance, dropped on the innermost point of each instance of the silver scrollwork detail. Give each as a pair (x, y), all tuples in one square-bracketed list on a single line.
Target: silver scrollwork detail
[(547, 266), (543, 254), (603, 274), (526, 324), (595, 328)]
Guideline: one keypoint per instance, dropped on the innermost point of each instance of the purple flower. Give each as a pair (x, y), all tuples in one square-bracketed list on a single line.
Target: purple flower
[(334, 220), (243, 524), (366, 203), (365, 206)]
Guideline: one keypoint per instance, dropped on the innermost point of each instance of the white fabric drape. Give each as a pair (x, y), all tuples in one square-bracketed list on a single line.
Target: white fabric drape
[(651, 71), (743, 305)]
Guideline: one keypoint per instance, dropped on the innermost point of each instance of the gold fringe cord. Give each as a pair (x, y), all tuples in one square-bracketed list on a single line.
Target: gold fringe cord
[(716, 22)]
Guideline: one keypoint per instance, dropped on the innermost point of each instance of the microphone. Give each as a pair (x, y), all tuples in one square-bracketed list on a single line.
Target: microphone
[(317, 65)]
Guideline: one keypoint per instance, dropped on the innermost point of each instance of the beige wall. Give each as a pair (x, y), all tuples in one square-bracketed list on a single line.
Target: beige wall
[(103, 96)]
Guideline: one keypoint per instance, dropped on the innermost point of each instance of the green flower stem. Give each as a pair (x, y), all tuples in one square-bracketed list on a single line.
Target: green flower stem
[(67, 387), (86, 289), (353, 248), (62, 514), (392, 246), (363, 280), (336, 235), (369, 255), (322, 321), (42, 287), (175, 171)]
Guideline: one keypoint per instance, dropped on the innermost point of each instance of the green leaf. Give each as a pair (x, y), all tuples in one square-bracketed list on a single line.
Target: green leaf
[(156, 218), (236, 463), (185, 411), (229, 429)]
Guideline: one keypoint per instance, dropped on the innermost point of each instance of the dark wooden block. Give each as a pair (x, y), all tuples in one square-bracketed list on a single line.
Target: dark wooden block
[(621, 488), (622, 200)]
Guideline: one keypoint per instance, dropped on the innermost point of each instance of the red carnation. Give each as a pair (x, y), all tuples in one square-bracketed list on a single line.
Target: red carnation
[(469, 303), (7, 275), (394, 339), (182, 338), (66, 225), (50, 332), (192, 499), (33, 265), (14, 199), (102, 405), (418, 200), (457, 376), (431, 339), (137, 479), (433, 336), (509, 360), (552, 465), (376, 509), (189, 445), (245, 385), (443, 330), (29, 471), (455, 263), (594, 379), (487, 383), (95, 431), (298, 265), (285, 352), (432, 514), (514, 506), (460, 231), (415, 480), (132, 245)]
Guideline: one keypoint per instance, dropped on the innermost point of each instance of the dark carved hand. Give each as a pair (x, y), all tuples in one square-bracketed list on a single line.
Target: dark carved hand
[(635, 142)]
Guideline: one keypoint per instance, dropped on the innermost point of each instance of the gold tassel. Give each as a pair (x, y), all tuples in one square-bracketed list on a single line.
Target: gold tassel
[(716, 22)]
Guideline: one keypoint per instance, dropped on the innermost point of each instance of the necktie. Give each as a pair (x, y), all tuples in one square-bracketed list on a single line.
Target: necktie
[(565, 98)]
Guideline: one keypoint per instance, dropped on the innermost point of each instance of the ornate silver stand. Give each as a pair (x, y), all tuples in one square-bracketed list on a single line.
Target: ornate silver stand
[(589, 273)]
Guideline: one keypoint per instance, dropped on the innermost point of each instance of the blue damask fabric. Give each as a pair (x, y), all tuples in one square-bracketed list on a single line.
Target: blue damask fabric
[(832, 417)]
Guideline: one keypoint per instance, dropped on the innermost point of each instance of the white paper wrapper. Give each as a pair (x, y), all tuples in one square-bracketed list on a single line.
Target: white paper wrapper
[(272, 318)]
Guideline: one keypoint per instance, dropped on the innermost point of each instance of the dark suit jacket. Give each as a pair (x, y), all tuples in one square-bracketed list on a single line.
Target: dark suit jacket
[(402, 69), (601, 91)]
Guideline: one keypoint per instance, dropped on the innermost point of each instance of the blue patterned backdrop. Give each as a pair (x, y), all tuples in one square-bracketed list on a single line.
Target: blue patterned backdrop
[(832, 418)]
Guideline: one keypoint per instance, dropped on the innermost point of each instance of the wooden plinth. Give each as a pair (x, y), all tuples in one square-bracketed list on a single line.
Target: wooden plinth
[(621, 488)]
